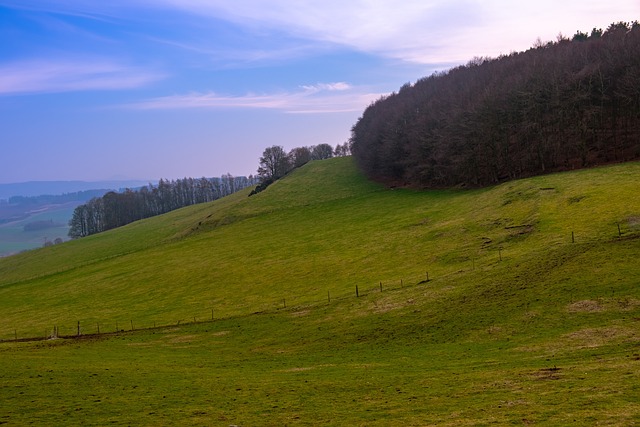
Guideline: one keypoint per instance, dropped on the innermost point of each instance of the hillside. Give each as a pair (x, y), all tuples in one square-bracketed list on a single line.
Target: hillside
[(529, 314), (558, 106)]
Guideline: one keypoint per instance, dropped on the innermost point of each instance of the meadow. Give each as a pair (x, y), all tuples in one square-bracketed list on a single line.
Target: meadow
[(337, 301)]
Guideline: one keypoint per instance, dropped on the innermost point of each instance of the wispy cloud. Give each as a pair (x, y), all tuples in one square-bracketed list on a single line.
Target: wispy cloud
[(422, 31), (51, 76), (319, 98)]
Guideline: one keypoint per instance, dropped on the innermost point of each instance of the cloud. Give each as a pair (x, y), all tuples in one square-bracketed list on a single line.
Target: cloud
[(319, 98), (417, 31), (51, 76), (339, 86), (420, 31)]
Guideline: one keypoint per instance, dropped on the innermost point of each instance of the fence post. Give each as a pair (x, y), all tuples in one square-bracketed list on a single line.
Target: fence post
[(131, 324), (573, 240), (78, 328), (380, 286), (357, 294), (328, 296), (619, 232)]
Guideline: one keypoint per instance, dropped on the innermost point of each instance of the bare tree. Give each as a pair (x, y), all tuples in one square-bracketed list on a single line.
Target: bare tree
[(274, 163)]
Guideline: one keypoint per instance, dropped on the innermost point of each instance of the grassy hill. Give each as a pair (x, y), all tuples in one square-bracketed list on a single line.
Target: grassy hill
[(530, 314)]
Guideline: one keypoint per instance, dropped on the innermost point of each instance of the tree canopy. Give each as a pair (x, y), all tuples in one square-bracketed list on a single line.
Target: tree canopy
[(562, 105)]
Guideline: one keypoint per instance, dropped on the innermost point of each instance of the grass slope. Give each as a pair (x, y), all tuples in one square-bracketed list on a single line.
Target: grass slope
[(517, 325)]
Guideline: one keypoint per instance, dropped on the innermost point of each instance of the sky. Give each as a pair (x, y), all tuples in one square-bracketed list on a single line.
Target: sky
[(148, 89)]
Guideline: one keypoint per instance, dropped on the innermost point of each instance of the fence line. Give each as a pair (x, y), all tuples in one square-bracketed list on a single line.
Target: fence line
[(101, 328)]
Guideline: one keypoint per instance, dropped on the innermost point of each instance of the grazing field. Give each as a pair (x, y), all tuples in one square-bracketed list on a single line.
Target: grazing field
[(324, 314)]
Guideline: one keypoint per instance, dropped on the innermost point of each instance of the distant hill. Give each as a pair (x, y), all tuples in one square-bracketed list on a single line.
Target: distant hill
[(39, 188), (559, 106)]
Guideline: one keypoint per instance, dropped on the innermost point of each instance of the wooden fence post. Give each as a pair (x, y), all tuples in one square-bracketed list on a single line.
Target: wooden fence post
[(357, 294)]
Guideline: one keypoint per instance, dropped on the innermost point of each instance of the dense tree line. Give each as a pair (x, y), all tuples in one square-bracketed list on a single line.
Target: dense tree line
[(117, 209), (567, 104)]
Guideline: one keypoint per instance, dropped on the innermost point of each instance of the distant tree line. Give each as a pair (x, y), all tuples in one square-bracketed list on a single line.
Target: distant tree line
[(276, 162), (117, 209), (567, 104)]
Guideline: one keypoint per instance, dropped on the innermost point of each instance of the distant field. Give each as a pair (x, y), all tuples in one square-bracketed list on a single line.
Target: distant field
[(14, 239), (324, 314)]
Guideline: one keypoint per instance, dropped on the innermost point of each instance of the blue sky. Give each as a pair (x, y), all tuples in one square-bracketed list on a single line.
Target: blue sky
[(144, 89)]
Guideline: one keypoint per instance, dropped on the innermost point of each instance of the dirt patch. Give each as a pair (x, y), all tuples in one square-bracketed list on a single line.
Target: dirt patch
[(306, 368), (584, 306), (141, 344), (604, 304), (596, 337), (546, 374), (177, 339), (587, 338), (300, 313)]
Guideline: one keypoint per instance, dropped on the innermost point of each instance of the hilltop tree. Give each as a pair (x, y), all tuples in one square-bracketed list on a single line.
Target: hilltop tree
[(274, 163), (321, 152), (299, 156)]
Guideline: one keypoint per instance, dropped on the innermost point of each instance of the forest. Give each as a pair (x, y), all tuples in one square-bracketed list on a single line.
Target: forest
[(117, 209), (567, 104)]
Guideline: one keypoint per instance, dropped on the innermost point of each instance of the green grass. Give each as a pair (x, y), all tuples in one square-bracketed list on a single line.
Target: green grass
[(517, 325)]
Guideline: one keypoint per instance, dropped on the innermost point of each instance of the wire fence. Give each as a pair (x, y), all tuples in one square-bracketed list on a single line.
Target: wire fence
[(467, 261)]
